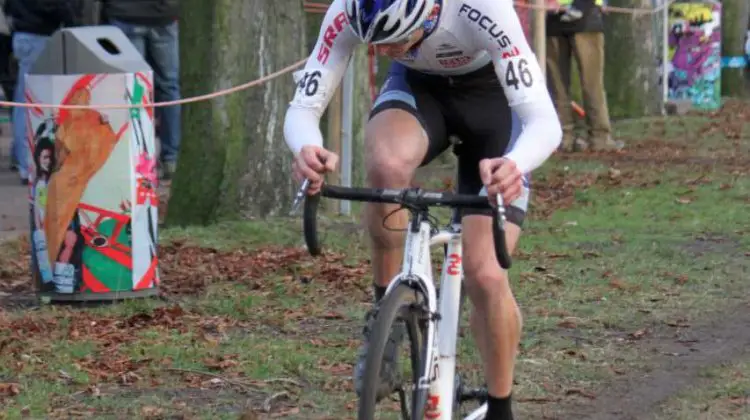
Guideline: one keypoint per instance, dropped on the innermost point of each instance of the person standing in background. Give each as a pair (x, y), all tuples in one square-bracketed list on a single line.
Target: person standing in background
[(747, 57), (7, 64), (8, 69), (31, 23), (576, 29), (151, 25)]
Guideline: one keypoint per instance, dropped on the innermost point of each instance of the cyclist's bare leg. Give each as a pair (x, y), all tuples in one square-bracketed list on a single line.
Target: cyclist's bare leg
[(395, 145), (496, 319)]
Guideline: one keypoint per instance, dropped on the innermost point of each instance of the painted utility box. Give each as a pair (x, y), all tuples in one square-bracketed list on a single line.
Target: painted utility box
[(93, 200), (695, 53)]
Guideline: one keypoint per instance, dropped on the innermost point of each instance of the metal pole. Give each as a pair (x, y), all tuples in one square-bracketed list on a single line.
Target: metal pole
[(540, 34), (665, 57), (347, 103)]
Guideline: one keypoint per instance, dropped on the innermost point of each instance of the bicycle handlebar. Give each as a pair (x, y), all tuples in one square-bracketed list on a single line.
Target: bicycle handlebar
[(409, 197)]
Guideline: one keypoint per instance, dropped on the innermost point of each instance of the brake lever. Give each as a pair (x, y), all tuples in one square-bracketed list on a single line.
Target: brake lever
[(500, 208), (299, 196)]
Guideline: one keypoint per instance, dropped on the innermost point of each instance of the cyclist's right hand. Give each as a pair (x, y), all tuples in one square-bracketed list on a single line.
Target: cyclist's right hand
[(312, 162)]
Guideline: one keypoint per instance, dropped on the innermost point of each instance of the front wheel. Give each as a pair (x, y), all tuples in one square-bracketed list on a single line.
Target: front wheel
[(402, 305)]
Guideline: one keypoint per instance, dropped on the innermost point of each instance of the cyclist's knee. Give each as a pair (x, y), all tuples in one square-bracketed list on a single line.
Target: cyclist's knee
[(484, 276), (487, 280), (389, 171), (395, 146)]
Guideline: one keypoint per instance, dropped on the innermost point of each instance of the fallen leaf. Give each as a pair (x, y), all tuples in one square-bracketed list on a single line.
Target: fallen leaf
[(567, 323), (285, 412), (150, 411), (221, 363), (249, 415), (581, 392), (681, 279), (576, 354), (93, 390), (637, 335), (10, 389), (616, 284), (617, 371), (680, 323)]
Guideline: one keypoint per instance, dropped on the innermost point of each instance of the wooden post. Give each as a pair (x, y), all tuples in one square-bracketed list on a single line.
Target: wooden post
[(333, 141), (539, 33)]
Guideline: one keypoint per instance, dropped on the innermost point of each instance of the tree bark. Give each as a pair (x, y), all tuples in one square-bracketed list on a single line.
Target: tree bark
[(630, 74), (233, 160), (734, 26)]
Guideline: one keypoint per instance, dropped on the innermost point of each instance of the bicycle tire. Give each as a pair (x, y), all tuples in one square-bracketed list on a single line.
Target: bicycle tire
[(398, 303)]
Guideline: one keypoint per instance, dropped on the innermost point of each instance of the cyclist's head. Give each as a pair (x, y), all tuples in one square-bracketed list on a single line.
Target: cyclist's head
[(387, 21)]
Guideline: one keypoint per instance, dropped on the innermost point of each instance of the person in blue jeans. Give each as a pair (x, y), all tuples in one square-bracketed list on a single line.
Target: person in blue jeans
[(31, 24), (151, 25)]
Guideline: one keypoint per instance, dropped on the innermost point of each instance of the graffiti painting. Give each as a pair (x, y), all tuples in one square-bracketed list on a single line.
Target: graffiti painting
[(89, 165), (695, 53)]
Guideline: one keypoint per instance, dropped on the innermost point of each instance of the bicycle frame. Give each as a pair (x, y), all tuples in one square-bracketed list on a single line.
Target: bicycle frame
[(442, 330), (437, 379)]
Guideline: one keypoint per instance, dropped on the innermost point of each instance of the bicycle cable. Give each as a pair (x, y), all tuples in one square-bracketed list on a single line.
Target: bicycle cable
[(431, 219)]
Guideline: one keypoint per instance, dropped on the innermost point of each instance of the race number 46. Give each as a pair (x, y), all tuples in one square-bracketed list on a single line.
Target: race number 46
[(518, 73), (310, 83)]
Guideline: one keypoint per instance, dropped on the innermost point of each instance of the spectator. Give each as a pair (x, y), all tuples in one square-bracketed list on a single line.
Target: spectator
[(7, 64), (576, 29), (31, 24), (151, 25), (8, 68)]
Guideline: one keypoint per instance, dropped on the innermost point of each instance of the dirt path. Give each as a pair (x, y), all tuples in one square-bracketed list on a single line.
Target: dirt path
[(679, 358)]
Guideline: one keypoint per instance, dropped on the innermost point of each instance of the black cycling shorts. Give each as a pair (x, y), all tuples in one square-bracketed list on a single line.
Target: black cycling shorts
[(472, 107)]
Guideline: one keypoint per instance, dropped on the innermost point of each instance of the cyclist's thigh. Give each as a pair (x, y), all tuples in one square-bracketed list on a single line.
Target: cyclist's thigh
[(406, 123), (487, 128)]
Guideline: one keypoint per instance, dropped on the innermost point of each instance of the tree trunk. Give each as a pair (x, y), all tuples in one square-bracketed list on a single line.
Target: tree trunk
[(630, 74), (233, 159), (734, 26)]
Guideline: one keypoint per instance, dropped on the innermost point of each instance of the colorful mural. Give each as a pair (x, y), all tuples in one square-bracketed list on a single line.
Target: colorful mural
[(695, 53), (92, 197)]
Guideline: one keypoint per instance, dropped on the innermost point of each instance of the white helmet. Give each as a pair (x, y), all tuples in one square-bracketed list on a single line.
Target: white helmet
[(386, 21)]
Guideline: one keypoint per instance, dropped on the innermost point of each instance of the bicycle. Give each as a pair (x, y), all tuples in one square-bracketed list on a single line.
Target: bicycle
[(431, 320)]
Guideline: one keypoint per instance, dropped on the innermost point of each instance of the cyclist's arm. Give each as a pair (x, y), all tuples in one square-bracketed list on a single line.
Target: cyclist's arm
[(524, 85), (317, 82)]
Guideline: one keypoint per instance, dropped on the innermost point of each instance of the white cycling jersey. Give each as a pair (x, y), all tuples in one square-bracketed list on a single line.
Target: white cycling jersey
[(469, 35)]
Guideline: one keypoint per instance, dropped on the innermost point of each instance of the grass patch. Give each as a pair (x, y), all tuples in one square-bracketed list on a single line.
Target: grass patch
[(724, 395), (617, 247)]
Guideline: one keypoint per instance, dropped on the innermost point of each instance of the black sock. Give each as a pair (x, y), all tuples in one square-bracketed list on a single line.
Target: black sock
[(379, 292), (499, 408)]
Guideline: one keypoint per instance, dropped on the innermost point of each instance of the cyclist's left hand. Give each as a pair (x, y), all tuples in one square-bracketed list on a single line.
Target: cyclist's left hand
[(501, 176)]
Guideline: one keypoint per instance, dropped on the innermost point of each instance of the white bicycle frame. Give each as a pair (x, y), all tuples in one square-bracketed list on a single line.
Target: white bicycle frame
[(442, 331)]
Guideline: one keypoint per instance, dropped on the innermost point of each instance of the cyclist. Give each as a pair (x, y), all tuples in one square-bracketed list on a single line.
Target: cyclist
[(460, 68)]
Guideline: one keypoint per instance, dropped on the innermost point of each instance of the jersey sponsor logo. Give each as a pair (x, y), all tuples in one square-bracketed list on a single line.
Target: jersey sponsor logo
[(451, 63), (487, 24), (449, 54), (329, 36), (514, 52)]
